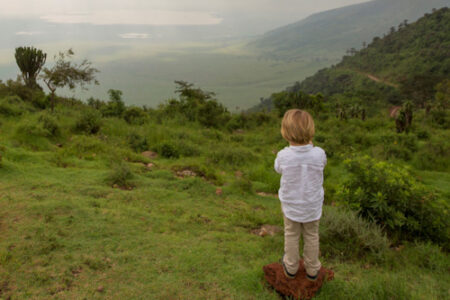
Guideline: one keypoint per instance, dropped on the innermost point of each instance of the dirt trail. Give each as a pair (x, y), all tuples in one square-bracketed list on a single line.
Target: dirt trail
[(376, 79), (379, 80)]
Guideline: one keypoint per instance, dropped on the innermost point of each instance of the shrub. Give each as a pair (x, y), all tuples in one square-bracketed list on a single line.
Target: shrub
[(121, 176), (135, 115), (390, 196), (399, 146), (32, 134), (50, 125), (11, 106), (344, 234), (89, 122), (137, 142), (115, 107), (168, 150)]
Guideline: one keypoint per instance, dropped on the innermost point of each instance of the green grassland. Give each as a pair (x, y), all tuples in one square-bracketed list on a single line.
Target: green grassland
[(82, 216)]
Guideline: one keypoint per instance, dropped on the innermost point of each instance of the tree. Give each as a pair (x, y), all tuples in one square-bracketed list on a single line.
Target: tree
[(30, 62), (68, 74), (115, 106)]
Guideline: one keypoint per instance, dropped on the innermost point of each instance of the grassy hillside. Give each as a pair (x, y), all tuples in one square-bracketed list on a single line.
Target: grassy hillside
[(410, 63), (84, 213), (329, 34)]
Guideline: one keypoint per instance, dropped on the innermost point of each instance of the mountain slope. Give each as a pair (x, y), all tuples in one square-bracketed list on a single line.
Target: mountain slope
[(406, 64), (329, 34)]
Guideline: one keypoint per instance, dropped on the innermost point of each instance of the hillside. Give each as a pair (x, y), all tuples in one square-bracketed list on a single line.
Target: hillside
[(329, 34), (406, 64)]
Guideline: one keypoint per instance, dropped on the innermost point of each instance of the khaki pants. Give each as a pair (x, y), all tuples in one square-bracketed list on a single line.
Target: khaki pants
[(310, 232)]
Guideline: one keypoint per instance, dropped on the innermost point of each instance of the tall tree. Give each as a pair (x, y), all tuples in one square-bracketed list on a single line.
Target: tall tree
[(30, 61), (65, 73)]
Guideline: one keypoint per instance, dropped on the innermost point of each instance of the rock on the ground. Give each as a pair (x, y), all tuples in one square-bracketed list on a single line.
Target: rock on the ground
[(267, 230), (299, 287)]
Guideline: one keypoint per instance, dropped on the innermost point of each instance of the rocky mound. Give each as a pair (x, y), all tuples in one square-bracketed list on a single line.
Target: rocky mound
[(299, 287)]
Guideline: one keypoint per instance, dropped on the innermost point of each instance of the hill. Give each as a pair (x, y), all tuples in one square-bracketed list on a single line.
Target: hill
[(406, 64), (329, 34)]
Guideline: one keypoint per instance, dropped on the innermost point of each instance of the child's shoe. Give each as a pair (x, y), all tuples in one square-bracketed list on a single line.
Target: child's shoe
[(286, 273), (312, 278)]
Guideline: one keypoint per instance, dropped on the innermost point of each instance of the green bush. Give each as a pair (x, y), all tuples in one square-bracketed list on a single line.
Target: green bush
[(30, 133), (400, 146), (50, 124), (137, 142), (344, 234), (121, 176), (135, 115), (391, 197), (90, 122), (168, 150), (12, 106)]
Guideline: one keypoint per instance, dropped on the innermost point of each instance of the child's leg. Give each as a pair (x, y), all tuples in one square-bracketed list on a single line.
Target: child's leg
[(291, 244), (311, 247)]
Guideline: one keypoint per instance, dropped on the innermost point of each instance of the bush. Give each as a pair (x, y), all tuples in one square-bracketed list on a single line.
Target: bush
[(388, 195), (50, 125), (168, 150), (137, 142), (399, 146), (89, 122), (121, 176), (344, 234), (135, 115), (32, 134), (11, 106)]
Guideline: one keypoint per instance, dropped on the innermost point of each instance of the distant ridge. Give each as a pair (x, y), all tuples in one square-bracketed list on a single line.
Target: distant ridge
[(406, 64), (328, 34)]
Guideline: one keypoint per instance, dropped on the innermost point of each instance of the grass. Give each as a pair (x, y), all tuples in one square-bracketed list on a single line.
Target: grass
[(66, 233)]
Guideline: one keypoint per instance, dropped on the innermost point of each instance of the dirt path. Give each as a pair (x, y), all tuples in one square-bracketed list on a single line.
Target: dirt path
[(376, 79)]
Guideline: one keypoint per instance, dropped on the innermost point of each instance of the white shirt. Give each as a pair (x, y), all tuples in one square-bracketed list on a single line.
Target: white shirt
[(301, 187)]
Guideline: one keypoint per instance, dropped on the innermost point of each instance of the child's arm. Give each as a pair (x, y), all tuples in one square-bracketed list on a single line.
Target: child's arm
[(277, 165)]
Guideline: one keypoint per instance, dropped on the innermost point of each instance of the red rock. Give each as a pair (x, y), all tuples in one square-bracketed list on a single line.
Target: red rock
[(299, 287)]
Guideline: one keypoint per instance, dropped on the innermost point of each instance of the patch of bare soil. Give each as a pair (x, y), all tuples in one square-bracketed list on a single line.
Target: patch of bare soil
[(299, 287), (267, 230), (185, 173), (149, 154), (263, 194)]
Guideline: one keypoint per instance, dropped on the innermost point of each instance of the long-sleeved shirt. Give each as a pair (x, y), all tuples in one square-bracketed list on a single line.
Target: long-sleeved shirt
[(301, 186)]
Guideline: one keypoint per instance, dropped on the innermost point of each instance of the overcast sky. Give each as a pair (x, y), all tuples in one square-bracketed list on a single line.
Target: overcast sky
[(166, 12)]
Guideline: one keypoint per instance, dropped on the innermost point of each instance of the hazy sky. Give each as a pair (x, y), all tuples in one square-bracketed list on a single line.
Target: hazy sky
[(166, 12)]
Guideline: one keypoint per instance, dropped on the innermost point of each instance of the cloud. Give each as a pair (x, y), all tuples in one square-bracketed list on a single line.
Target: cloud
[(135, 17), (134, 35)]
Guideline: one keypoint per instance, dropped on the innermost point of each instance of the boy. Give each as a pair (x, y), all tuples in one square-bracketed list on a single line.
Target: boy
[(301, 192)]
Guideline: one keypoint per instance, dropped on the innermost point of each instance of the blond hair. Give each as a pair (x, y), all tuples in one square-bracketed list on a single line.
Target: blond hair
[(297, 127)]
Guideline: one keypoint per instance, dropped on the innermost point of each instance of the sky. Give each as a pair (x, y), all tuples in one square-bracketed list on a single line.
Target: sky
[(167, 12)]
